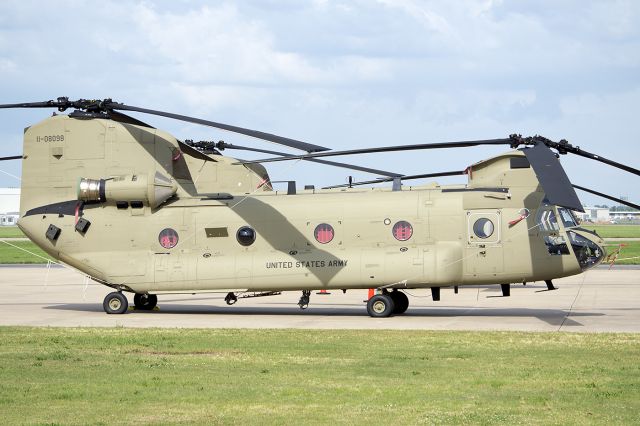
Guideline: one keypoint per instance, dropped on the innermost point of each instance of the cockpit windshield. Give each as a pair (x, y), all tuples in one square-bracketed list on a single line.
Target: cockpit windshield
[(568, 219), (548, 221)]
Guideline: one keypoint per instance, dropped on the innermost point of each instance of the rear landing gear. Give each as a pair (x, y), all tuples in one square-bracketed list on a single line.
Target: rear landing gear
[(380, 306), (145, 302), (400, 302), (115, 303)]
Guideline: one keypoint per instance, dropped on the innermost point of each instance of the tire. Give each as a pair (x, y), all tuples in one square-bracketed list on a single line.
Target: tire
[(400, 302), (380, 306), (115, 303), (145, 302)]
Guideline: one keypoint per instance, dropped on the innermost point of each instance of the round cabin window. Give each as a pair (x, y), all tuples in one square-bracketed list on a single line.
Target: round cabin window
[(402, 230), (246, 236), (324, 233), (483, 228), (168, 238)]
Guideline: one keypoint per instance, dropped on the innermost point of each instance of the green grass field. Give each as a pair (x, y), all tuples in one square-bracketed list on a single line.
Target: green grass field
[(107, 376), (614, 231), (629, 253), (10, 254), (11, 232)]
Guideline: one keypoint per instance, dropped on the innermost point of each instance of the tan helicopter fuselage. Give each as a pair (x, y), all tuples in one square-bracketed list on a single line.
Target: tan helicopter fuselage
[(420, 236)]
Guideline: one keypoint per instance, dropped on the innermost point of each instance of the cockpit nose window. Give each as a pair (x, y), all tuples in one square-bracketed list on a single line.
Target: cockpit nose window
[(588, 253)]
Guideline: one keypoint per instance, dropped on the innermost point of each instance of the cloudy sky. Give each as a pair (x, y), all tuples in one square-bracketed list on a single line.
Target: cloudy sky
[(344, 74)]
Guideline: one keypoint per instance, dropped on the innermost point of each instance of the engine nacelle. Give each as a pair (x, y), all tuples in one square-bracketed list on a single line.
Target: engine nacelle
[(127, 188)]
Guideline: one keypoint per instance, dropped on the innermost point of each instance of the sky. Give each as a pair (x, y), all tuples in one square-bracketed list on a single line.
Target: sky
[(343, 74)]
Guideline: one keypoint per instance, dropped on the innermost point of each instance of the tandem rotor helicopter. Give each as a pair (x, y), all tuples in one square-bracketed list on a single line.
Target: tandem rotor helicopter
[(142, 212)]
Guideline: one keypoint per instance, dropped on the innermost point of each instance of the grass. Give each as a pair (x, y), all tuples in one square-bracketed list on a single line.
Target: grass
[(105, 376), (11, 232), (10, 254), (614, 231), (629, 253)]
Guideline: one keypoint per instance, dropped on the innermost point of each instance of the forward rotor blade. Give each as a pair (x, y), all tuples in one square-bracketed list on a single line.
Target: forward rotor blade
[(395, 148), (328, 163), (564, 147), (615, 164), (292, 143), (406, 177), (14, 157), (552, 178), (608, 197)]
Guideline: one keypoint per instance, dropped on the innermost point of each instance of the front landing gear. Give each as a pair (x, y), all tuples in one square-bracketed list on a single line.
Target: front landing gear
[(304, 299), (145, 302), (115, 303)]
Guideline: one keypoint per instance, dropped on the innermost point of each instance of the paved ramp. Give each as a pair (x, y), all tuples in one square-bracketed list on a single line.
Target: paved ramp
[(597, 301)]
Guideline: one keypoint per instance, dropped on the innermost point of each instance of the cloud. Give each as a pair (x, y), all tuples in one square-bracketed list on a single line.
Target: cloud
[(340, 73)]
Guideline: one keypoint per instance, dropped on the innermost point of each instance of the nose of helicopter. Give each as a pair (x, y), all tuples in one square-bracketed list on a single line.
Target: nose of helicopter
[(588, 247)]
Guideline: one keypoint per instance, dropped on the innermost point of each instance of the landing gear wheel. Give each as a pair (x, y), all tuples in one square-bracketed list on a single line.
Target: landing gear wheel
[(145, 302), (400, 302), (304, 299), (115, 303), (380, 306)]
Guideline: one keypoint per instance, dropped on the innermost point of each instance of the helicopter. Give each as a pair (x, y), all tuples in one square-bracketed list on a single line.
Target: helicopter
[(140, 211)]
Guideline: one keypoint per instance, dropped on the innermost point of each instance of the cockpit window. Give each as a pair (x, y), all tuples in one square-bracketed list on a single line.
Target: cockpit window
[(548, 221), (568, 220), (556, 245)]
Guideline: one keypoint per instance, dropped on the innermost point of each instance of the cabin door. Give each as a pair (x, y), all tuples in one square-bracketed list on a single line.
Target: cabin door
[(484, 250)]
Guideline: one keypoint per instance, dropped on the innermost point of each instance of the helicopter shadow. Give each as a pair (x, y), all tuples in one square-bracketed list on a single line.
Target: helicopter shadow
[(554, 317)]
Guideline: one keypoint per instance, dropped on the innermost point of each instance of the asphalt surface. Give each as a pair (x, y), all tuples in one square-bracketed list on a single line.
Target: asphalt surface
[(600, 300)]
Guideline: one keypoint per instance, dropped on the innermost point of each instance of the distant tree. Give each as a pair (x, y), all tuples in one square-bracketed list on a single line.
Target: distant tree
[(623, 209)]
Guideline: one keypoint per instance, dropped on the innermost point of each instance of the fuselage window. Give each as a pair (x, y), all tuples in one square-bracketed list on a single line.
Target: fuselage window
[(246, 236), (324, 233), (483, 228), (168, 238), (402, 230)]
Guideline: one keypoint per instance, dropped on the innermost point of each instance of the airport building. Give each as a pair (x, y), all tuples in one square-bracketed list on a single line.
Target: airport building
[(9, 206)]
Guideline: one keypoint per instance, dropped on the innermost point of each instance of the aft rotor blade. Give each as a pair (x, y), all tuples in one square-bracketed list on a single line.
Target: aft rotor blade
[(13, 157), (406, 177), (608, 197), (552, 178), (394, 148), (328, 163), (191, 151), (108, 106), (292, 143), (45, 104), (124, 118)]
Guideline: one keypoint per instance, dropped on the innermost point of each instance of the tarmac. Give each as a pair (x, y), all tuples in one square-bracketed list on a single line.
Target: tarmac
[(600, 300)]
